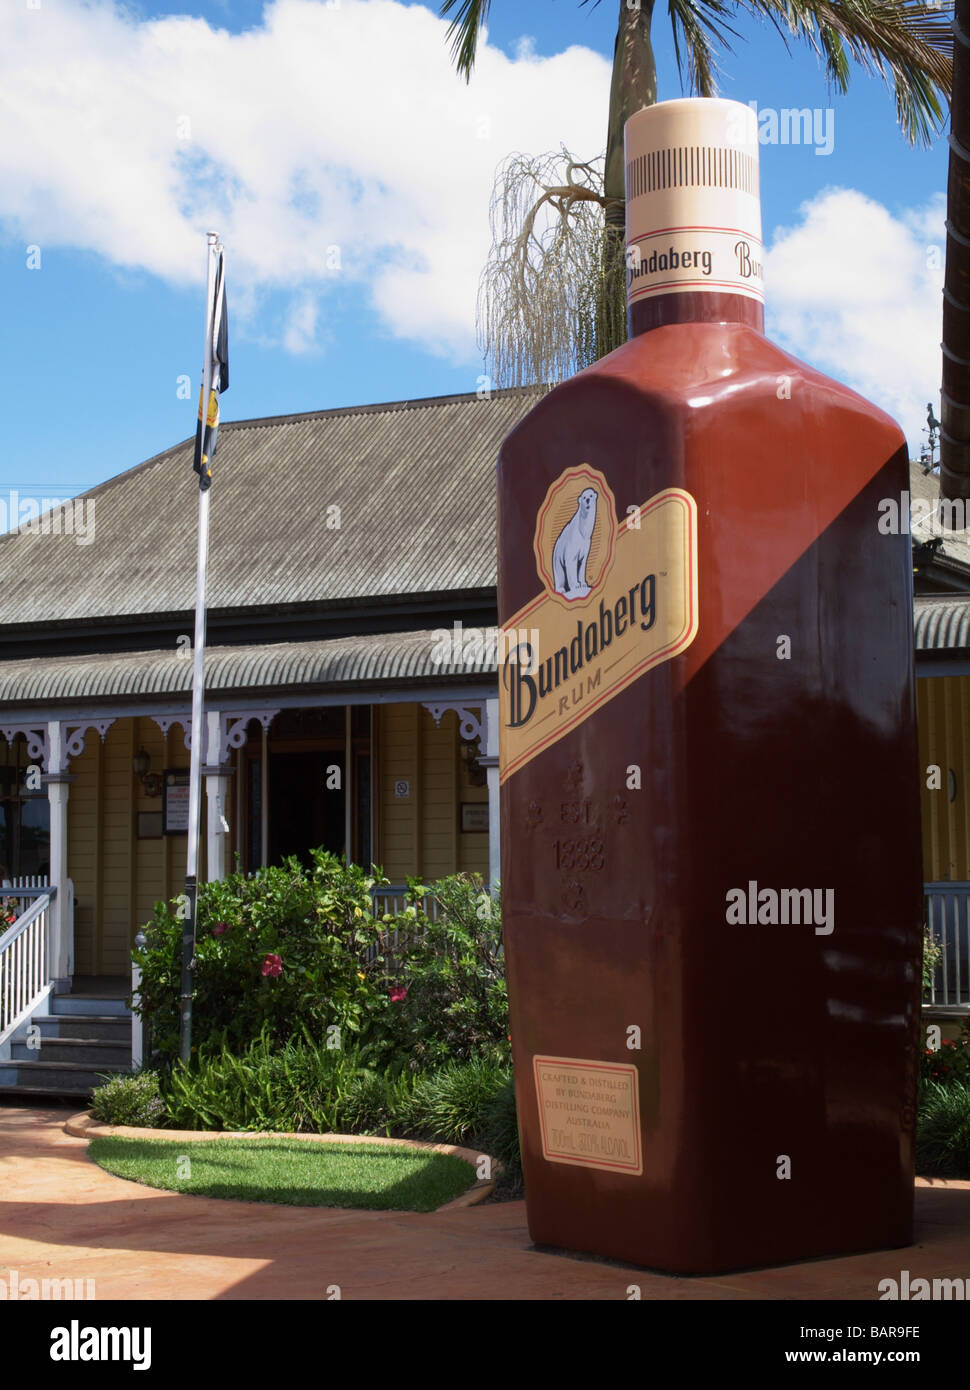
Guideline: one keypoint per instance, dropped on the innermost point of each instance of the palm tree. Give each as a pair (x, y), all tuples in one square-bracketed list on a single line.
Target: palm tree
[(552, 296)]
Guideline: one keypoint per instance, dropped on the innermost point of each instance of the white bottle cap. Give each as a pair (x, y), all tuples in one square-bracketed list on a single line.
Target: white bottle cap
[(693, 211)]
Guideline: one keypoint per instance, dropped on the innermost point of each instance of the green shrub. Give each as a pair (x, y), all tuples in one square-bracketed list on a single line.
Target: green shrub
[(943, 1130), (299, 951), (307, 1088), (132, 1099), (456, 1004), (378, 1102), (932, 955), (949, 1064), (283, 952), (500, 1134), (299, 1088), (454, 1102)]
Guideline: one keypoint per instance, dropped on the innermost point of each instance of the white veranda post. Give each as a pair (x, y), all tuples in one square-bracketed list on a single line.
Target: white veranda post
[(217, 793), (58, 790), (490, 763)]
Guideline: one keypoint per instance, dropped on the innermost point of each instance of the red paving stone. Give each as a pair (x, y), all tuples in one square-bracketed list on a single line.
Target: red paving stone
[(63, 1217)]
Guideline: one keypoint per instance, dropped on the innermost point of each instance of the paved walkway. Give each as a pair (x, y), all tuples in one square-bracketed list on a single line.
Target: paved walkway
[(63, 1217)]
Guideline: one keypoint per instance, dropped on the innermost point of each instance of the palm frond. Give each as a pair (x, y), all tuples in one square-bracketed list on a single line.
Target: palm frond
[(698, 24), (908, 43), (836, 59), (463, 31)]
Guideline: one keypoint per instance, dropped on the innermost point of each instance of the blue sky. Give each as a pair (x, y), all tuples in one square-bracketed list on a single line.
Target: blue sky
[(316, 125)]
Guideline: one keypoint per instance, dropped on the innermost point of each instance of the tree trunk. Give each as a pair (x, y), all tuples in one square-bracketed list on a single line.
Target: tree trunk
[(634, 85), (955, 407)]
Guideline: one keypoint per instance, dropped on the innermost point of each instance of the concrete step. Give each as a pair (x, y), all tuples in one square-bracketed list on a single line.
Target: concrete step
[(74, 1005), (69, 1078), (114, 1027), (23, 1095), (92, 1052)]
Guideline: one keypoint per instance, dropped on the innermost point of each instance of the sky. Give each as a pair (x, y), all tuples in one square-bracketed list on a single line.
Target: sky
[(348, 171)]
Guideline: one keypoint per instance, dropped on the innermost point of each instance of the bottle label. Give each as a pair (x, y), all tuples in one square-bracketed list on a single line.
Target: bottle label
[(616, 600), (589, 1113), (682, 259)]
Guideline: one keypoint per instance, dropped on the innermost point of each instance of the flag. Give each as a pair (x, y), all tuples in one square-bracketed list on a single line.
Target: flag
[(207, 433)]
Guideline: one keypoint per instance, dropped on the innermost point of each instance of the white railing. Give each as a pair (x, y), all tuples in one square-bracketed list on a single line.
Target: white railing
[(392, 898), (25, 960), (947, 914), (138, 1040)]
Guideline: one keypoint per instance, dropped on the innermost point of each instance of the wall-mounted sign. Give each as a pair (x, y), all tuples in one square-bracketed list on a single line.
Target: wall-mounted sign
[(402, 790), (589, 1113), (474, 817), (175, 801)]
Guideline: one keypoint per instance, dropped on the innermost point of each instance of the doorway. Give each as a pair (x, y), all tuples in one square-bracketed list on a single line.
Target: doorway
[(309, 801)]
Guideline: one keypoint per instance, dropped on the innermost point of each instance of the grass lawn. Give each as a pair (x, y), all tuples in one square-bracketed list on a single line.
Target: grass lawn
[(290, 1171)]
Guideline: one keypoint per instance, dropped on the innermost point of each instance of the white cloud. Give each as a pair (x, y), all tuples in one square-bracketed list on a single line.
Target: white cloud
[(301, 327), (856, 292), (330, 125), (345, 126)]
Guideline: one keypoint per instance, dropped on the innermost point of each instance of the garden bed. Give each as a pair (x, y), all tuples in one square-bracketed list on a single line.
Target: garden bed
[(84, 1126)]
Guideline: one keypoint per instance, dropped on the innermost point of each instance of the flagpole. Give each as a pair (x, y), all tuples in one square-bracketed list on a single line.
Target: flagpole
[(198, 685)]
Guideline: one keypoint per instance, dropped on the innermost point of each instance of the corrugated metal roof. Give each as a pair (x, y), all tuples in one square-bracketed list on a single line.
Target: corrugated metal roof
[(341, 662), (942, 623), (925, 488), (414, 482)]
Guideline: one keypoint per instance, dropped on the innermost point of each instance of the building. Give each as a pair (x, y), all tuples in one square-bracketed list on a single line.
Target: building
[(345, 545), (941, 566)]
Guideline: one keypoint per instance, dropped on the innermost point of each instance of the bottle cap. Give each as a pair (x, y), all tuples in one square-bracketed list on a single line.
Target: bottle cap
[(693, 211)]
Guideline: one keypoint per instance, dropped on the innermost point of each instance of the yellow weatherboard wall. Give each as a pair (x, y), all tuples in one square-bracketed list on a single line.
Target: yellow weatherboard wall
[(117, 877), (420, 833), (943, 714)]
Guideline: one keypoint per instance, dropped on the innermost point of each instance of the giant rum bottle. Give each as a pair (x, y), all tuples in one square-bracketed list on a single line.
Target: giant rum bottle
[(710, 813)]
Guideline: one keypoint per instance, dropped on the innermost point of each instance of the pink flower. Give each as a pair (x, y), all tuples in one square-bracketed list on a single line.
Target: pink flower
[(272, 965), (397, 993), (221, 928)]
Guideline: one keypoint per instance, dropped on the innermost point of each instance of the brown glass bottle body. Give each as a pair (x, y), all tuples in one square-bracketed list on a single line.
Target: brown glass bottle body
[(778, 749)]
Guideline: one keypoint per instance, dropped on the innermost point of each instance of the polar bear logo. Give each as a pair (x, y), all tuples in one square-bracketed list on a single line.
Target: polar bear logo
[(571, 551)]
